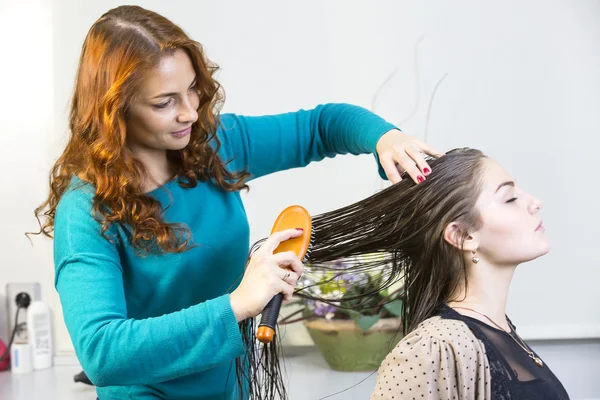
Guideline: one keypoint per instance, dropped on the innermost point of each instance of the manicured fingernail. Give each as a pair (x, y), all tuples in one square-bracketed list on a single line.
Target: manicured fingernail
[(426, 171), (420, 178), (300, 229)]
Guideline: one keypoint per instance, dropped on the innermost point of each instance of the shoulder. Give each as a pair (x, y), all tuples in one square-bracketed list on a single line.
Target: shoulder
[(76, 201), (228, 124), (451, 331), (228, 136), (438, 342), (453, 335), (76, 229), (440, 356)]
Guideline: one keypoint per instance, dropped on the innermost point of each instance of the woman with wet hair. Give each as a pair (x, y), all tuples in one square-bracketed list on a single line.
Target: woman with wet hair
[(454, 242)]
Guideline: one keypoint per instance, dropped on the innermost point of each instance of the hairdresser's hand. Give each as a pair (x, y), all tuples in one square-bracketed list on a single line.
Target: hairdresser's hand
[(399, 152), (264, 277)]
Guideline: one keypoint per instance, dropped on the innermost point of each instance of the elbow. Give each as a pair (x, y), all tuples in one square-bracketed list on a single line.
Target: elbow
[(100, 375), (99, 361), (93, 374)]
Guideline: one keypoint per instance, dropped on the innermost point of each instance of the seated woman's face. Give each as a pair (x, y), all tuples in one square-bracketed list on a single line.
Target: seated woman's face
[(512, 230)]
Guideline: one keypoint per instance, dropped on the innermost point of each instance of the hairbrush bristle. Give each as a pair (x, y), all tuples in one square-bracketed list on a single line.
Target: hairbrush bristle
[(306, 257)]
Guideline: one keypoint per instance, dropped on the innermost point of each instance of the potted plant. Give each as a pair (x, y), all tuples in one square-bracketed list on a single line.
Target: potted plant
[(351, 334)]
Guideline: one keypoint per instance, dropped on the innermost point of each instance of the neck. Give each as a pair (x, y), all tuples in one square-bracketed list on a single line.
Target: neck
[(486, 292), (158, 169)]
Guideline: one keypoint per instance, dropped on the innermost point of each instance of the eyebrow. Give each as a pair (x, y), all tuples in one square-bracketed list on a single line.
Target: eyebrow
[(507, 183), (173, 93)]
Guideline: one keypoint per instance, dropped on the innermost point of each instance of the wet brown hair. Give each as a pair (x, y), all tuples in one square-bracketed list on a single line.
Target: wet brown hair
[(399, 231)]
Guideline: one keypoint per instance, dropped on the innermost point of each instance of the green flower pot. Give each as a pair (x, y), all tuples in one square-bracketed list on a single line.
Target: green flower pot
[(346, 347)]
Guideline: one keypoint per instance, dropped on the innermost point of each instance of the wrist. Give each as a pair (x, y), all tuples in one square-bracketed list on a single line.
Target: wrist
[(235, 304), (390, 135)]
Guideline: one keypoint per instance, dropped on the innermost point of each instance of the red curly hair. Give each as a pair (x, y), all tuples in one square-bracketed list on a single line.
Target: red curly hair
[(120, 47)]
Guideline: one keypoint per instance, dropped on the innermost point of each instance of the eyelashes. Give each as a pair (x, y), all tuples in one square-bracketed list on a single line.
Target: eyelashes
[(163, 105), (171, 100)]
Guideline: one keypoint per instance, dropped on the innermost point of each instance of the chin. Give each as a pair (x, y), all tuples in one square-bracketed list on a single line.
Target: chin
[(180, 144), (540, 246), (545, 246), (542, 250), (534, 251)]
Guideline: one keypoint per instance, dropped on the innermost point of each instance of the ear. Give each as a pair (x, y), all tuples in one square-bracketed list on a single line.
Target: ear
[(453, 235)]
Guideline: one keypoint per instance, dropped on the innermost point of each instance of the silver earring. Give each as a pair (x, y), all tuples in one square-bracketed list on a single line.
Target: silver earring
[(475, 259)]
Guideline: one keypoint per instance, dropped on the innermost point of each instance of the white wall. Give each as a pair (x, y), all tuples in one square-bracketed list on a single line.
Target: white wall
[(26, 132), (522, 85)]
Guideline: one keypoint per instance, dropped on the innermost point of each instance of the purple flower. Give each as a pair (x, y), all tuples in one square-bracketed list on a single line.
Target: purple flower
[(322, 309), (338, 264), (359, 279)]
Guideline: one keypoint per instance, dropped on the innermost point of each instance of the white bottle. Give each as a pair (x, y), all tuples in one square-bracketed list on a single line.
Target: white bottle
[(20, 358), (39, 329)]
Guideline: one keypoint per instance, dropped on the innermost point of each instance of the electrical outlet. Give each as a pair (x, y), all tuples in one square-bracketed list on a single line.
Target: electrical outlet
[(34, 291)]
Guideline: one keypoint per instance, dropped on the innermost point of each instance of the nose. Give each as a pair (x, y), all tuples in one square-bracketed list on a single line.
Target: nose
[(535, 205), (187, 112)]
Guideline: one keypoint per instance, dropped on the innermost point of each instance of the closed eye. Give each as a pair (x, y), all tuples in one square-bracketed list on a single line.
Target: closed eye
[(164, 105), (511, 200)]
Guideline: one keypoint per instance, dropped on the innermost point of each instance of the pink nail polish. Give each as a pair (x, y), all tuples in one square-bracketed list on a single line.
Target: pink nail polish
[(426, 171), (420, 178), (300, 229)]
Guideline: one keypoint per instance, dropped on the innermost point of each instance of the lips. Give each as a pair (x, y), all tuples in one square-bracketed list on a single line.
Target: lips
[(182, 133), (540, 227)]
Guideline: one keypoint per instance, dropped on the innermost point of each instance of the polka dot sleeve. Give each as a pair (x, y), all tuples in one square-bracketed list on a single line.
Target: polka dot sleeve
[(436, 361)]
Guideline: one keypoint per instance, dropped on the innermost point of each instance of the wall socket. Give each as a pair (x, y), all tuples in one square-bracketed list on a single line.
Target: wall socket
[(34, 291)]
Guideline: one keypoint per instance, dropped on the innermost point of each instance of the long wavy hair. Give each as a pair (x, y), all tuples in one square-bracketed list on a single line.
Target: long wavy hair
[(399, 233), (123, 45)]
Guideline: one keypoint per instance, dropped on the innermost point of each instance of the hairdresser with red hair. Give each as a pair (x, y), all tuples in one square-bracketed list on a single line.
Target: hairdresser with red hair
[(151, 237)]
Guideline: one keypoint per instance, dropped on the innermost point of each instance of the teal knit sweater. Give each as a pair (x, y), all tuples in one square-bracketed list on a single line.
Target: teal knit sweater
[(161, 326)]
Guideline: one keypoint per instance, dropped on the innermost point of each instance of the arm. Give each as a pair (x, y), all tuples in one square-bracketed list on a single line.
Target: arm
[(117, 350), (274, 143)]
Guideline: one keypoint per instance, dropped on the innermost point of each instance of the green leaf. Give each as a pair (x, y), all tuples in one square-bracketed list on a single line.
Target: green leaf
[(367, 321), (355, 315), (394, 307)]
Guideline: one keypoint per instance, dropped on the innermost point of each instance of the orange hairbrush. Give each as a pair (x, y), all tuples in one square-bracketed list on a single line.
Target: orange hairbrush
[(290, 218)]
